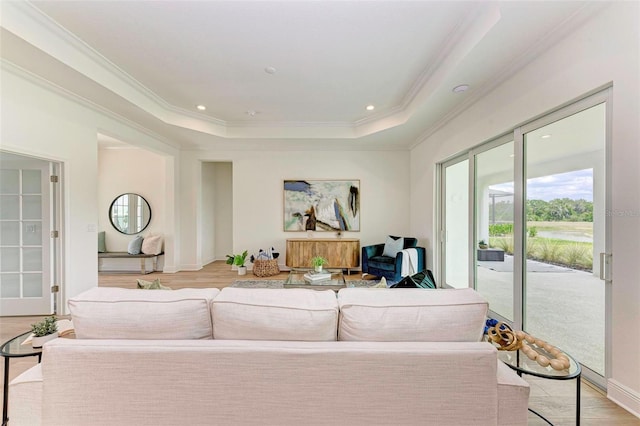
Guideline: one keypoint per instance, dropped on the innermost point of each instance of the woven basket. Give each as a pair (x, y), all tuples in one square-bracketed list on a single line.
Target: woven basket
[(265, 268)]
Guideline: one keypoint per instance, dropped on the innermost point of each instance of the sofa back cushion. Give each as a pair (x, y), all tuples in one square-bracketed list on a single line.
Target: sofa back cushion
[(275, 314), (118, 313), (386, 315)]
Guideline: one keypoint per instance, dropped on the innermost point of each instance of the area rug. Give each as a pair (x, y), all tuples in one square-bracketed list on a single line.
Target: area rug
[(280, 283)]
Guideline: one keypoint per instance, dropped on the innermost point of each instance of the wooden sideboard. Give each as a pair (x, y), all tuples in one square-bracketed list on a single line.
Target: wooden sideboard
[(343, 253)]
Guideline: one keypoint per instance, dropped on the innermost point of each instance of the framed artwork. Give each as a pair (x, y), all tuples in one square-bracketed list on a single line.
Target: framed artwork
[(322, 205)]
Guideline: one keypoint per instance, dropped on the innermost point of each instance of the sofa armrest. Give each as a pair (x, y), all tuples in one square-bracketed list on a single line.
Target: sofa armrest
[(25, 398), (513, 397), (368, 252)]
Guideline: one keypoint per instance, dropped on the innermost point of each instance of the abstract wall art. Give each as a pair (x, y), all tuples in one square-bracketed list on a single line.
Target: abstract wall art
[(322, 205)]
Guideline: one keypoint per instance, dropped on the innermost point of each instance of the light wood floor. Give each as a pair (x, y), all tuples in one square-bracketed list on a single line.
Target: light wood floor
[(552, 398)]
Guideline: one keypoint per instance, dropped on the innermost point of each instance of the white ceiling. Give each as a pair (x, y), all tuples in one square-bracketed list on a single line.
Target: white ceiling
[(153, 62)]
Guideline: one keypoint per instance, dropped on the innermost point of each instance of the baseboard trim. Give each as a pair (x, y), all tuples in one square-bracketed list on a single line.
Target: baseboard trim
[(623, 396), (190, 267)]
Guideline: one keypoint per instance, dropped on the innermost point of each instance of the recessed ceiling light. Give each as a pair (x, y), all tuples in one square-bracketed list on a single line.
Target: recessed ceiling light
[(461, 88), (251, 113), (370, 107), (201, 107), (270, 70), (545, 136)]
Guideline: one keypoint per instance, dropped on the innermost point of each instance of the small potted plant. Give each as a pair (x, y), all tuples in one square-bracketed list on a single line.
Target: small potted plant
[(238, 260), (482, 244), (43, 331), (318, 262)]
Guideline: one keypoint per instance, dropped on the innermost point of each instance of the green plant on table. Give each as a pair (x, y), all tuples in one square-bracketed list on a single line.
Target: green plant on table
[(45, 327), (318, 261), (237, 259)]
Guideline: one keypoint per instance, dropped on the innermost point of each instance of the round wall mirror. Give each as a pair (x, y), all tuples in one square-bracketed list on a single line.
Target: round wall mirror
[(130, 213)]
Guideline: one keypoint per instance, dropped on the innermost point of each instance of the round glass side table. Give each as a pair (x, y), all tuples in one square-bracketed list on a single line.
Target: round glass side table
[(521, 363), (14, 349)]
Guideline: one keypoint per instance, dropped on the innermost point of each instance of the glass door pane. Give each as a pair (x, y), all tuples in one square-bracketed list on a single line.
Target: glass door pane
[(494, 213), (25, 243), (565, 222), (456, 225)]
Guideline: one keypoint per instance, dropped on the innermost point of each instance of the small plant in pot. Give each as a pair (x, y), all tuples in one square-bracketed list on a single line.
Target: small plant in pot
[(238, 260), (482, 244), (43, 331), (318, 262)]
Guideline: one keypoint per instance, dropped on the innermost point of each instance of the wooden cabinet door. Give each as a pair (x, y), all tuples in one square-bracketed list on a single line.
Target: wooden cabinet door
[(342, 253)]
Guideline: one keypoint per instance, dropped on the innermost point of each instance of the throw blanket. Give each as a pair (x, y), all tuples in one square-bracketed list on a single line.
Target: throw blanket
[(409, 262)]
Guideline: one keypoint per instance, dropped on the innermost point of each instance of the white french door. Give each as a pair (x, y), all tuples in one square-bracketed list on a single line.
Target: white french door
[(27, 245)]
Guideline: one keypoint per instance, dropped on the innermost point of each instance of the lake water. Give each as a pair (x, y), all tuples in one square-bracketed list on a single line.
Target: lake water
[(567, 235)]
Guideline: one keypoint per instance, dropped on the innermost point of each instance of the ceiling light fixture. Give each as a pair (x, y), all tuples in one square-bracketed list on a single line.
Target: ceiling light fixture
[(201, 107), (547, 136), (270, 70), (251, 113), (370, 107), (460, 88)]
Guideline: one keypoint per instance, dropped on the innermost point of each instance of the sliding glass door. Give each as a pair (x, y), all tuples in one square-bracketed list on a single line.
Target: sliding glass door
[(523, 221), (455, 238), (565, 222), (494, 218)]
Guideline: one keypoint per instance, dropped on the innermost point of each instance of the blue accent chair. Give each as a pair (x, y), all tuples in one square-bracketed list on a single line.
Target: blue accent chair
[(374, 263)]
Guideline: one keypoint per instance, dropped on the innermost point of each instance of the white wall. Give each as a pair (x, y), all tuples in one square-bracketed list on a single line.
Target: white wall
[(223, 213), (603, 50), (216, 211), (208, 208), (39, 121), (130, 170), (258, 195)]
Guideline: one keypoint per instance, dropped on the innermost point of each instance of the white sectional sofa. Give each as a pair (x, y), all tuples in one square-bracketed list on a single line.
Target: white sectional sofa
[(271, 357)]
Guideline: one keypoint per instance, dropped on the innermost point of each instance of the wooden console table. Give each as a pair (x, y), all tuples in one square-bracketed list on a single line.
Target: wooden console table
[(342, 253)]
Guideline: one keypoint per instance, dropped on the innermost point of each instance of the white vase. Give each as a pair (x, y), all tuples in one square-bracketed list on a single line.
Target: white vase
[(37, 342), (242, 270), (318, 268)]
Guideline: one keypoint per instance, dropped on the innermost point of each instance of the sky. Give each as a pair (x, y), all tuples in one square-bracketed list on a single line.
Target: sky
[(574, 185)]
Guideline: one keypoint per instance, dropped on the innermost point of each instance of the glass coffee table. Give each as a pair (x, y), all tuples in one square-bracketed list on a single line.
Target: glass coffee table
[(296, 280)]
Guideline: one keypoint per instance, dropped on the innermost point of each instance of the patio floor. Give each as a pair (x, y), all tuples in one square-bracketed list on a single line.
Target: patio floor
[(564, 306)]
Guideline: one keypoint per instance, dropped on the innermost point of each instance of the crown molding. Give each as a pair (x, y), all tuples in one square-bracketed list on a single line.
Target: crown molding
[(28, 22), (51, 87), (570, 24)]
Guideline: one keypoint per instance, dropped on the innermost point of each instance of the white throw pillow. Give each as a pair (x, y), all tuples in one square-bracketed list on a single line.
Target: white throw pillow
[(393, 246), (152, 245)]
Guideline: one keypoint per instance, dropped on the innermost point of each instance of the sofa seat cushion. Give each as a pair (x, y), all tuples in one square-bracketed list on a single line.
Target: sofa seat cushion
[(450, 315), (118, 313), (382, 262), (275, 314)]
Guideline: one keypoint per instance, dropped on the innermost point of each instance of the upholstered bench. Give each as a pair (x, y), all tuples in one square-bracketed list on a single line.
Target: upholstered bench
[(124, 255)]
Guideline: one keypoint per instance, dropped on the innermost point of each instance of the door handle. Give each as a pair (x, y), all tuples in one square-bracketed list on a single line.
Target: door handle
[(604, 267)]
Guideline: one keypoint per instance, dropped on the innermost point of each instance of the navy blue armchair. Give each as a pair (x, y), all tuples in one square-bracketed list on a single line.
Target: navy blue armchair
[(374, 263)]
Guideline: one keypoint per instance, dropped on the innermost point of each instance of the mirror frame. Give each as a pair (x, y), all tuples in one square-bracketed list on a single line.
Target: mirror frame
[(147, 221)]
